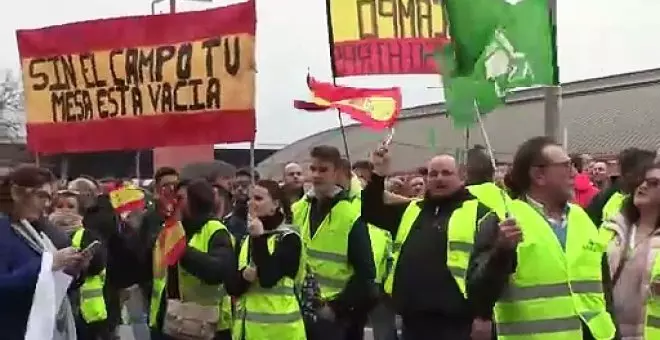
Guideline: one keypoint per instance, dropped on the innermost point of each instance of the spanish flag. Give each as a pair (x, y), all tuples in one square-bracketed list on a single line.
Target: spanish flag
[(169, 247), (127, 198), (373, 108)]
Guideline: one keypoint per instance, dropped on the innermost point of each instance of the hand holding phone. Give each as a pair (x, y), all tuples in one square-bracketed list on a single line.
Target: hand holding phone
[(92, 248)]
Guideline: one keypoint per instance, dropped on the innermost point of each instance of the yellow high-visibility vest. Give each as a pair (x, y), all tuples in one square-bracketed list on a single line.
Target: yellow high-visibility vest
[(652, 307), (270, 313), (553, 291), (613, 206), (381, 242), (92, 301), (327, 250), (191, 289), (460, 240), (492, 196)]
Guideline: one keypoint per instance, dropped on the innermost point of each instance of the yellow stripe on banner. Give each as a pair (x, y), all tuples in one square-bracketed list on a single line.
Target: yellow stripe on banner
[(216, 73), (374, 19)]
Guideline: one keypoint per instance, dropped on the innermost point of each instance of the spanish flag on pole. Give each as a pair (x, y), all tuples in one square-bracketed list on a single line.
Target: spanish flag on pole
[(373, 108), (127, 198), (169, 247)]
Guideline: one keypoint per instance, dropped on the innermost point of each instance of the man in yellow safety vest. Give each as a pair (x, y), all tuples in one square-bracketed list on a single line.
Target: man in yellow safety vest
[(433, 239), (542, 273), (338, 247)]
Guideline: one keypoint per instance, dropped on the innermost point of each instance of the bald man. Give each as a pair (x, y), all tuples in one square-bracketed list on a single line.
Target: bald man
[(433, 241), (294, 181)]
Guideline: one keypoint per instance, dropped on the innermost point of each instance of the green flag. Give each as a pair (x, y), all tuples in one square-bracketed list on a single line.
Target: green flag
[(496, 46)]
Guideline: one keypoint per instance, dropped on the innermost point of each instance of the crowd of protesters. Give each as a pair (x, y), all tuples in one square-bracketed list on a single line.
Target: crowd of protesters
[(547, 247)]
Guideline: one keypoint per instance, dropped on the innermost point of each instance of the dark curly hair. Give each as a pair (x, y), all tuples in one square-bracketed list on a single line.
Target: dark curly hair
[(528, 155)]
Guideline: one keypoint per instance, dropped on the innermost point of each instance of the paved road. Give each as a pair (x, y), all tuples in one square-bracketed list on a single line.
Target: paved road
[(126, 333)]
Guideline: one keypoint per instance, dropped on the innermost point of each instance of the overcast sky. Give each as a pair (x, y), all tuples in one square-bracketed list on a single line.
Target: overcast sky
[(596, 38)]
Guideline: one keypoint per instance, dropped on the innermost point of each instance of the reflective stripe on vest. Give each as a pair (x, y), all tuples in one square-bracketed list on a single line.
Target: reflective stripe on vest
[(270, 313), (462, 227), (92, 302), (492, 196), (552, 303), (327, 250), (191, 289), (613, 206)]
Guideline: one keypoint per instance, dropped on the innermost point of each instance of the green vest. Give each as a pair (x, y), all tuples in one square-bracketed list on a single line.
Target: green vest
[(492, 196), (191, 289), (327, 250), (613, 206), (381, 243), (460, 240), (652, 324), (270, 313), (553, 291), (92, 302)]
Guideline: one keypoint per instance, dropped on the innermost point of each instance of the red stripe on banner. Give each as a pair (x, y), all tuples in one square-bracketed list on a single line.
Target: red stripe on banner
[(143, 133), (97, 35), (386, 56)]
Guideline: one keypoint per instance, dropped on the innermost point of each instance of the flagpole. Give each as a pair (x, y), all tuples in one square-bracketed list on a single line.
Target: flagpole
[(252, 163), (491, 154), (334, 78), (553, 92)]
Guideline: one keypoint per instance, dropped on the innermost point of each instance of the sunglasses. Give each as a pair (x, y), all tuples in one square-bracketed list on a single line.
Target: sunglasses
[(652, 182)]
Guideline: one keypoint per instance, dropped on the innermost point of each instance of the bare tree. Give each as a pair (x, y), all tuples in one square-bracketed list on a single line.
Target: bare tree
[(12, 112)]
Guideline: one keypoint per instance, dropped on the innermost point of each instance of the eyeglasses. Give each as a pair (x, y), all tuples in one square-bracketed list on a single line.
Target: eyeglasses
[(652, 182)]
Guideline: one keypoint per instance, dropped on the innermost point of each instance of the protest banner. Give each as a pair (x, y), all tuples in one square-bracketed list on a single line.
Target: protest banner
[(372, 37), (141, 82)]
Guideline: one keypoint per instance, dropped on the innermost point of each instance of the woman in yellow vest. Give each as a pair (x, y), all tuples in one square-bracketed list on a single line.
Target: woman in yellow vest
[(270, 267), (92, 314), (634, 259), (197, 278)]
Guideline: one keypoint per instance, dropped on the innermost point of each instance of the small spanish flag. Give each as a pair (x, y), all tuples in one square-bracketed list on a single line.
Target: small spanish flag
[(170, 245), (127, 198), (374, 108)]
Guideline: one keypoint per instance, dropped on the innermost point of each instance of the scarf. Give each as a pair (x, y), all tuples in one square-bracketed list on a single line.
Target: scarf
[(50, 292)]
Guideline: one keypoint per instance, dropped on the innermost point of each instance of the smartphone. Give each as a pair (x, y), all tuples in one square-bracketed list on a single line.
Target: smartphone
[(92, 248)]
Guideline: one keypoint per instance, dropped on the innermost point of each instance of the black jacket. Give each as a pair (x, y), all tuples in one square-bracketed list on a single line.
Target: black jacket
[(595, 208), (214, 267), (271, 268), (360, 289), (490, 269), (422, 281)]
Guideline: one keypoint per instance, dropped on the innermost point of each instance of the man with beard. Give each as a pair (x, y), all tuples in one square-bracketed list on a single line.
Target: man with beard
[(433, 238)]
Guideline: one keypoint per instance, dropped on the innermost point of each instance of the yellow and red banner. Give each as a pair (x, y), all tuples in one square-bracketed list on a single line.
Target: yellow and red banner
[(373, 108), (385, 37), (141, 82), (127, 198)]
